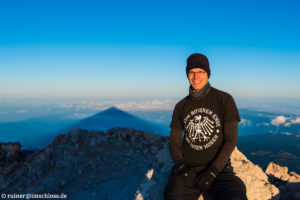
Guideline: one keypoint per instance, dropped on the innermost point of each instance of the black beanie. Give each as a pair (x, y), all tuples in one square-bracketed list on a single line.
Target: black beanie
[(197, 60)]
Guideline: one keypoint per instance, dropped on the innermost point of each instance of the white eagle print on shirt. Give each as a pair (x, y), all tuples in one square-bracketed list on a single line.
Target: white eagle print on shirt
[(200, 128)]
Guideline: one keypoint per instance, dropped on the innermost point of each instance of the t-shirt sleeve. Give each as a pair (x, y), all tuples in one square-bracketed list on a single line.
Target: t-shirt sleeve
[(231, 113), (176, 122)]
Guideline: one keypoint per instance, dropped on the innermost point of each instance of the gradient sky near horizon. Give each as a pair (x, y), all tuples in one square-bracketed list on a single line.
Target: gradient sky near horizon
[(138, 49)]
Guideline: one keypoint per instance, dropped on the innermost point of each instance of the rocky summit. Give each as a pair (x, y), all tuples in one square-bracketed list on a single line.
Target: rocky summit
[(120, 163)]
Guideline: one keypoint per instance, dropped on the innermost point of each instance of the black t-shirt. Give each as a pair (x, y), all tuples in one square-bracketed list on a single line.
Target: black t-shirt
[(202, 120)]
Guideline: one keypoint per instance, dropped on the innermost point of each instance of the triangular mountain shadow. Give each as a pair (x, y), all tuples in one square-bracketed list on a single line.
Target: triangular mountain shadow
[(114, 117)]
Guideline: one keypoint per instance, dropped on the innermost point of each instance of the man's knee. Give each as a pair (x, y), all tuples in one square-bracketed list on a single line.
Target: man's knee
[(173, 189), (227, 187), (176, 190), (235, 195)]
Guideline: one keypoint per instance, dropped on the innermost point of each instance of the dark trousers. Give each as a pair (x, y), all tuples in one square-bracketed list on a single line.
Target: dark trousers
[(226, 186)]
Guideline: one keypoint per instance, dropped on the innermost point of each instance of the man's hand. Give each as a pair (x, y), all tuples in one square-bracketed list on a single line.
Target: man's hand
[(184, 173), (204, 179)]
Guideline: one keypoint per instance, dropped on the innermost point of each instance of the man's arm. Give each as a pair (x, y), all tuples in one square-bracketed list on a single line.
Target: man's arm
[(230, 134), (175, 145), (206, 178), (229, 143)]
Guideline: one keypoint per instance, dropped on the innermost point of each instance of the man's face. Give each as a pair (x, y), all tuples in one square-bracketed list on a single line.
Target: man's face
[(197, 78)]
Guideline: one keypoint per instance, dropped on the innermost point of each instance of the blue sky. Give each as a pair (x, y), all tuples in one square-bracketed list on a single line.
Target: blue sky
[(53, 49)]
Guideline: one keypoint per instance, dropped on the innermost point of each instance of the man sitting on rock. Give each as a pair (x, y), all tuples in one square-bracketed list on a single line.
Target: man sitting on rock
[(209, 119)]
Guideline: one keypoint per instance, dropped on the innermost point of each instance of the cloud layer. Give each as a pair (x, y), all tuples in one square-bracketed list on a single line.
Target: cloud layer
[(282, 120), (165, 104), (279, 120)]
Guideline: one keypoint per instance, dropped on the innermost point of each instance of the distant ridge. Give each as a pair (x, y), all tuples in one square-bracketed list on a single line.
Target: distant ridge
[(114, 117)]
